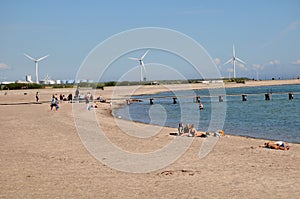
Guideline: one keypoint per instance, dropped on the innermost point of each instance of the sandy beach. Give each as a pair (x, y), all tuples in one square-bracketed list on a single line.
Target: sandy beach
[(43, 156)]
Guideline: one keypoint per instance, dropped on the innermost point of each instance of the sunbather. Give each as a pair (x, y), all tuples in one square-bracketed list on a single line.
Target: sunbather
[(186, 130), (180, 128), (200, 134), (191, 131), (275, 145)]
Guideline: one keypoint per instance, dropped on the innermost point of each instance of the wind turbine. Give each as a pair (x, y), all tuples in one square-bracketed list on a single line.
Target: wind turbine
[(233, 60), (36, 61), (142, 66)]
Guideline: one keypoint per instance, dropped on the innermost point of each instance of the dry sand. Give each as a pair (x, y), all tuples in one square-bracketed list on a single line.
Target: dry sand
[(42, 156)]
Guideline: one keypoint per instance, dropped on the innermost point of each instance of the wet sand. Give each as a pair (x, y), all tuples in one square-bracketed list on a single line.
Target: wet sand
[(42, 156)]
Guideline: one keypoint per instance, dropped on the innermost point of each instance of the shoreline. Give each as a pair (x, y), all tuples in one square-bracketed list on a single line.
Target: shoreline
[(146, 90), (226, 85)]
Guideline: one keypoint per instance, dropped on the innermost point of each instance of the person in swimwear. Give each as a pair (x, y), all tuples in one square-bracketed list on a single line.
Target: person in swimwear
[(201, 106), (180, 128), (186, 130), (275, 145), (191, 131)]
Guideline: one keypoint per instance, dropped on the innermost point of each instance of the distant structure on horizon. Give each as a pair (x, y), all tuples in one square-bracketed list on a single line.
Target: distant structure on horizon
[(28, 78), (36, 61), (233, 60), (142, 66)]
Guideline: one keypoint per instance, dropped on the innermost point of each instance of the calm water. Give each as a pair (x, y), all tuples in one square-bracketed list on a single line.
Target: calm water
[(277, 119)]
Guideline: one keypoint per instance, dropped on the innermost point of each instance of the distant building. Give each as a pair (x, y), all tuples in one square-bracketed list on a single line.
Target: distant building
[(211, 81), (28, 78), (70, 81), (6, 82), (57, 81), (47, 82)]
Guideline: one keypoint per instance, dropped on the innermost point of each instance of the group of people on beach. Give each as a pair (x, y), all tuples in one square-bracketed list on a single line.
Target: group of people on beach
[(64, 98), (55, 100), (189, 131), (87, 98)]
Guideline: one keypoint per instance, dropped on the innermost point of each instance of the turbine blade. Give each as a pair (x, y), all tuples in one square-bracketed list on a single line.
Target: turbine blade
[(40, 59), (30, 57), (133, 58), (230, 60), (145, 54), (238, 59)]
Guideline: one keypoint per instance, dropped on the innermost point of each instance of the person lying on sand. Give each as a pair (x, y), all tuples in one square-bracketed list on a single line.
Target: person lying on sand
[(275, 145), (195, 133)]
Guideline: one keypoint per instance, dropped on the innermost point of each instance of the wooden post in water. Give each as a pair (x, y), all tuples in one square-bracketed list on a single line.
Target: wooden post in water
[(291, 96), (244, 97), (198, 99), (151, 101), (174, 100), (221, 99), (267, 96)]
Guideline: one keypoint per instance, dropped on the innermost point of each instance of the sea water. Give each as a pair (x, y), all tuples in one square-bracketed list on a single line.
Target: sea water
[(274, 119)]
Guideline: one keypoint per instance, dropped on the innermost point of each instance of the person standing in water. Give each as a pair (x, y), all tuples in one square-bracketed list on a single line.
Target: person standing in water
[(201, 106)]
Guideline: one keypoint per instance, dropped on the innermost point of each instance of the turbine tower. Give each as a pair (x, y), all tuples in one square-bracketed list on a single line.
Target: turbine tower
[(233, 60), (36, 61), (142, 66)]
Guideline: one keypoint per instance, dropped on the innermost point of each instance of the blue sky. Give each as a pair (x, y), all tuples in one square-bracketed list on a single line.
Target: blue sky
[(265, 33)]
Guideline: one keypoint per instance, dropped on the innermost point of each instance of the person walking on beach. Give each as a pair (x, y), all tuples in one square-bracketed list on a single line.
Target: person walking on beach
[(37, 97), (77, 93), (54, 103)]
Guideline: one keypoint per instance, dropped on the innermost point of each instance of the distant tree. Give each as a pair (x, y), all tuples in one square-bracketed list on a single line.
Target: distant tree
[(18, 86)]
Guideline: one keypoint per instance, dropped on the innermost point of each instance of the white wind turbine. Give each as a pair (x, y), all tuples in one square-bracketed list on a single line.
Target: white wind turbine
[(36, 61), (142, 66), (233, 60)]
